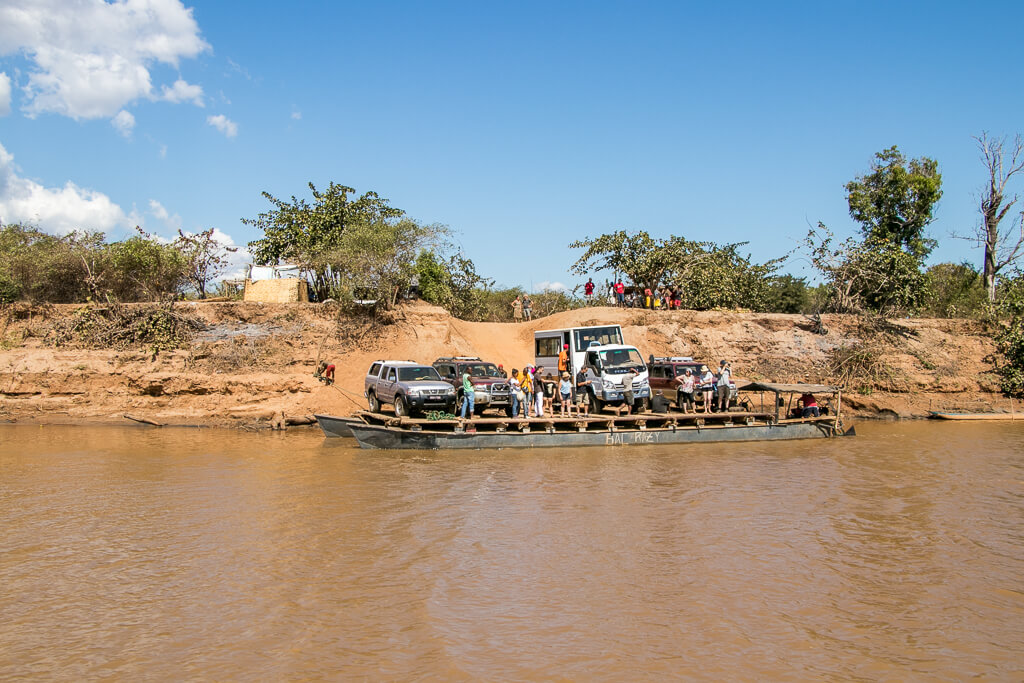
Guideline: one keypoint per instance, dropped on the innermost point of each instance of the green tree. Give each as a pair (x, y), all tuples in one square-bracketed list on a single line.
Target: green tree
[(39, 266), (787, 294), (309, 235), (875, 274), (642, 259), (705, 274), (955, 291), (376, 259), (452, 283), (896, 201), (141, 268)]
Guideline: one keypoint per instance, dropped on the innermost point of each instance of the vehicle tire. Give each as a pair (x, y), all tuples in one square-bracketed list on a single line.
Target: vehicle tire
[(508, 411), (371, 398), (597, 403), (401, 407)]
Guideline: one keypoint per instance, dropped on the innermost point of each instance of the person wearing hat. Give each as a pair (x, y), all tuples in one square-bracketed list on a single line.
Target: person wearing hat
[(563, 359), (538, 391), (582, 393), (707, 386), (526, 382), (684, 394), (565, 392)]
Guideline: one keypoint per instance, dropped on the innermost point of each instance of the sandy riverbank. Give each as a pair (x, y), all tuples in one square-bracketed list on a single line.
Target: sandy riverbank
[(254, 363)]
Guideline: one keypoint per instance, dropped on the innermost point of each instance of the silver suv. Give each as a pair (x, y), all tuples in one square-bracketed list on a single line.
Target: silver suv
[(410, 387)]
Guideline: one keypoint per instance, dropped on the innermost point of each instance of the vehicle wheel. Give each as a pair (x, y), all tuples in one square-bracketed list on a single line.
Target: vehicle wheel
[(598, 404), (401, 407), (508, 411), (374, 403)]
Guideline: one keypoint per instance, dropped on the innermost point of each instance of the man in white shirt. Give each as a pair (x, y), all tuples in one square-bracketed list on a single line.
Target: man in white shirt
[(724, 375)]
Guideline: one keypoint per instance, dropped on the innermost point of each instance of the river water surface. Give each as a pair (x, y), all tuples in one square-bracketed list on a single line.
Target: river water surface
[(140, 553)]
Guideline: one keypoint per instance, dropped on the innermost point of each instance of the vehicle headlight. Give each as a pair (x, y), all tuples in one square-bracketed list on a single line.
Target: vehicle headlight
[(449, 390), (414, 391), (610, 386), (644, 383)]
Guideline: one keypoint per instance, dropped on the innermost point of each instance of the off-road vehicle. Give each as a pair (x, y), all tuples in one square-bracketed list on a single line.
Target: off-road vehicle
[(665, 370), (490, 385), (408, 386)]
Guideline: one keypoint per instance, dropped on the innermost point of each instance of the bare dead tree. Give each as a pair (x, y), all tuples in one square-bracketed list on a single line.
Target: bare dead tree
[(1001, 249)]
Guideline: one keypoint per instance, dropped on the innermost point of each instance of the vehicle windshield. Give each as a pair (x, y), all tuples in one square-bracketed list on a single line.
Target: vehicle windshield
[(482, 370), (418, 373), (604, 335), (621, 359)]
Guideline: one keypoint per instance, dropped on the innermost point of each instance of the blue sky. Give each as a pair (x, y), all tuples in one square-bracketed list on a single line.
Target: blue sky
[(522, 126)]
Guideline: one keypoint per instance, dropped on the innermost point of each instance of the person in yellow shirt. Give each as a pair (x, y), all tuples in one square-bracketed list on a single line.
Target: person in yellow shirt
[(526, 382)]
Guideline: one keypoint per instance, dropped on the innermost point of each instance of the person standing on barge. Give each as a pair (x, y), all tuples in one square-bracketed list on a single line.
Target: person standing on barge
[(468, 394), (684, 396)]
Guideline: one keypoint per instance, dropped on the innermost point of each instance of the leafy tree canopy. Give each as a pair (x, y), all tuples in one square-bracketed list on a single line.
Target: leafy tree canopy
[(896, 201), (306, 233), (703, 274)]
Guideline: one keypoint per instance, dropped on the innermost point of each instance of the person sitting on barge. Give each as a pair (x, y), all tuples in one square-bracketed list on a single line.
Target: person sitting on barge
[(810, 406)]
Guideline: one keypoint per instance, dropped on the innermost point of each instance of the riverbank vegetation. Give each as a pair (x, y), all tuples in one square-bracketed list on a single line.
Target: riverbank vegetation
[(359, 250)]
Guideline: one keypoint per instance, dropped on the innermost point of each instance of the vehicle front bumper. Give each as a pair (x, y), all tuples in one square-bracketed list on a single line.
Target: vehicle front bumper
[(431, 402)]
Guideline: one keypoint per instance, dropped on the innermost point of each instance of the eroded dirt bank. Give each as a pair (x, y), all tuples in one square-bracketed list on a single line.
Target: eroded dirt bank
[(254, 363)]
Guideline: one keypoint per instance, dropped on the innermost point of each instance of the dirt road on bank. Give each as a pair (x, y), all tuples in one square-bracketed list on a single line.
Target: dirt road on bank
[(254, 363)]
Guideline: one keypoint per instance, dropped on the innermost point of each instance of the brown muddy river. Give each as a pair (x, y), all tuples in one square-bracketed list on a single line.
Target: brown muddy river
[(155, 554)]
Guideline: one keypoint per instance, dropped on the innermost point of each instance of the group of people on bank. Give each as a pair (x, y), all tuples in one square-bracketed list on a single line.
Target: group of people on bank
[(618, 294)]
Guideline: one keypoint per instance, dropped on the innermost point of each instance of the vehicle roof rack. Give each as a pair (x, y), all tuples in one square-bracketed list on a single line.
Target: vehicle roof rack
[(453, 358), (671, 359)]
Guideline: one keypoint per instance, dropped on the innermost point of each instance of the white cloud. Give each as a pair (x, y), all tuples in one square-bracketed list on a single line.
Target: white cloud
[(57, 210), (223, 124), (163, 151), (124, 122), (184, 92), (5, 94), (297, 115), (549, 287), (92, 57), (172, 221)]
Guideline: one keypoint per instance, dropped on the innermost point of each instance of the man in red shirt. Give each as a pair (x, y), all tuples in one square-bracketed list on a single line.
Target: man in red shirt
[(620, 293)]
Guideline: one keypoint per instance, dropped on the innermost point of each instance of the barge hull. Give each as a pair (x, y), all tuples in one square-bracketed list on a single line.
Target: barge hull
[(379, 436), (337, 426)]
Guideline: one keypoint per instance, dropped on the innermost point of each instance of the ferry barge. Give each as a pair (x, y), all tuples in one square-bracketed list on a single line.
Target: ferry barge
[(378, 430)]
